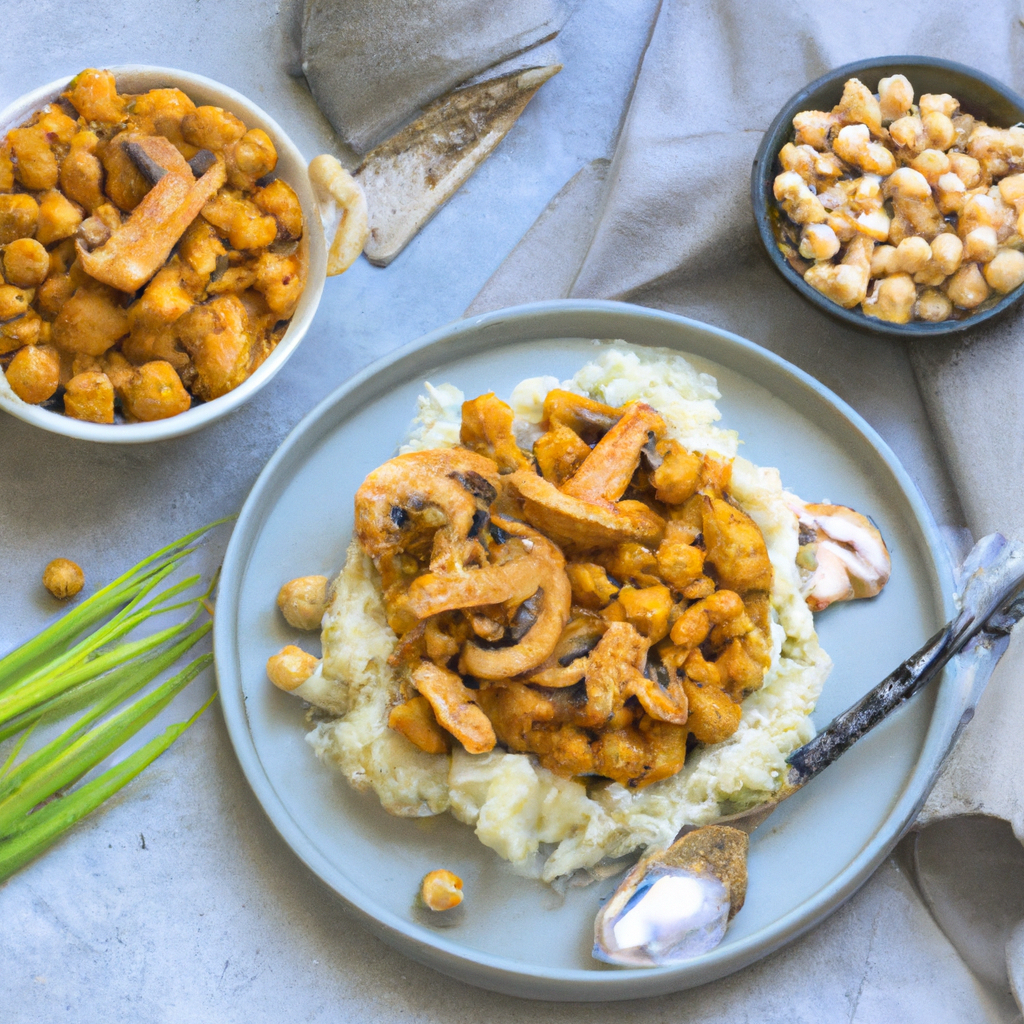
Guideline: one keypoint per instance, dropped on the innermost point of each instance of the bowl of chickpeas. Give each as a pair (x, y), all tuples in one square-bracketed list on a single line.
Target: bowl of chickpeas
[(161, 253), (890, 194)]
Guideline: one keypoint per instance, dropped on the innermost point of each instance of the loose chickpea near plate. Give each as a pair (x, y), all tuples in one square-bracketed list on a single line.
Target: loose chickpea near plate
[(150, 258), (911, 211)]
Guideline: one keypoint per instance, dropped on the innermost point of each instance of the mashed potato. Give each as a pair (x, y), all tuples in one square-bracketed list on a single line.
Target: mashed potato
[(545, 825)]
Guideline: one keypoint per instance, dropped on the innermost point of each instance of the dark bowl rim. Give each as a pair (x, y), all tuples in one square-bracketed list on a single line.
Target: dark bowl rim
[(761, 172)]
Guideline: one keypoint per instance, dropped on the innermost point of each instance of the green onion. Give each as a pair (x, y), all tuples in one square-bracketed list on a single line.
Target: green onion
[(83, 664), (49, 822)]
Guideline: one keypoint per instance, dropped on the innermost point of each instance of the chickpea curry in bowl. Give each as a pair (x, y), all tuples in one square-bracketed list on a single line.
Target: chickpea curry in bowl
[(153, 252)]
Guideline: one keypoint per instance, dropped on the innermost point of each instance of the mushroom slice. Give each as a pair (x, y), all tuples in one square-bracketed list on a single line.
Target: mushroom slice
[(586, 523), (606, 472), (141, 245), (540, 639), (449, 479), (843, 552), (455, 707)]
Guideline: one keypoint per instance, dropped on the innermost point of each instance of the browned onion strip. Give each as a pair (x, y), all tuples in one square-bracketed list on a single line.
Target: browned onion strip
[(586, 523), (514, 581), (141, 245), (607, 470), (538, 643), (455, 707)]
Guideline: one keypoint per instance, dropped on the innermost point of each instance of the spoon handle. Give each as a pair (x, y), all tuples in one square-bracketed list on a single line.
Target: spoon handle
[(991, 602)]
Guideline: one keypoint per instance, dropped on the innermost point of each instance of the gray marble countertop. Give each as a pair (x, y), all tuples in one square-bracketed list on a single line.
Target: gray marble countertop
[(178, 901)]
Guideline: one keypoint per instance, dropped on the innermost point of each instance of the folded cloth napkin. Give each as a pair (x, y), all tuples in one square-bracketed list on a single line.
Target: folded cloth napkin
[(372, 64), (674, 229)]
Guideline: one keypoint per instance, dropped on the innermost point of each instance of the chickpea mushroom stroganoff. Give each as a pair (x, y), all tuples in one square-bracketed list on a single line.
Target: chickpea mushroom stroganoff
[(577, 620), (150, 258), (910, 210)]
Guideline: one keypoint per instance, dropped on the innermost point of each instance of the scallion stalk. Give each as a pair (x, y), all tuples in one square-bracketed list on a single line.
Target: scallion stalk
[(83, 663)]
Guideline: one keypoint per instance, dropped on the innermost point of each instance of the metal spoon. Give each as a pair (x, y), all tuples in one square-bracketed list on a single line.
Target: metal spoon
[(676, 903)]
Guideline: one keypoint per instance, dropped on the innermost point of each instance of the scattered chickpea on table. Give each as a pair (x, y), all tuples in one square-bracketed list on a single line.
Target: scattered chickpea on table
[(149, 258), (912, 212)]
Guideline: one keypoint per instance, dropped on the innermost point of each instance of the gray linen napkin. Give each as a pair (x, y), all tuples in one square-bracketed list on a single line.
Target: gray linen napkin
[(371, 64), (674, 230)]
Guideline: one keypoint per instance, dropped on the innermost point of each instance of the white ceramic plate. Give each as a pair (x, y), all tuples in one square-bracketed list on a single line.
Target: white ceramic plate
[(518, 936)]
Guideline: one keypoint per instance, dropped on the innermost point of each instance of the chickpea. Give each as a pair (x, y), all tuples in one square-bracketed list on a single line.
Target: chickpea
[(968, 289), (1012, 191), (19, 215), (26, 263), (912, 199), (155, 392), (843, 225), (947, 252), (939, 130), (23, 330), (125, 185), (81, 173), (895, 97), (303, 601), (950, 193), (909, 133), (91, 321), (883, 261), (280, 201), (250, 158), (845, 283), (242, 221), (217, 338), (58, 218), (938, 103), (200, 248), (1005, 271), (211, 128), (818, 242), (893, 299), (34, 373), (14, 301), (853, 145), (6, 166), (812, 127), (799, 202), (290, 667), (912, 255), (876, 225), (441, 890), (63, 578), (981, 244), (966, 168), (279, 279), (89, 396), (932, 163), (161, 112), (53, 293), (859, 106), (933, 306), (94, 95), (35, 163)]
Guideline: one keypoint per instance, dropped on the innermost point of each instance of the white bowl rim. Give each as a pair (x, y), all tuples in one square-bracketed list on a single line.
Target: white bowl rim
[(201, 415)]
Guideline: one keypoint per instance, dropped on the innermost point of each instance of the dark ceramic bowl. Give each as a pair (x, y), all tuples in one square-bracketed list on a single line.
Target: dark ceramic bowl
[(980, 95)]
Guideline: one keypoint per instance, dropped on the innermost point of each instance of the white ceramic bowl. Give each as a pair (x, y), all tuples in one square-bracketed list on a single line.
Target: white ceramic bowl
[(291, 166)]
